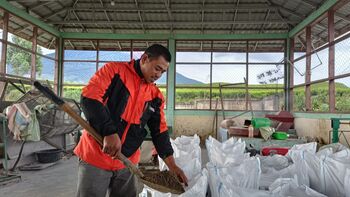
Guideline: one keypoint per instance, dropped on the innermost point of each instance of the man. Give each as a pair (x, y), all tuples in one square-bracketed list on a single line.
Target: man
[(119, 101)]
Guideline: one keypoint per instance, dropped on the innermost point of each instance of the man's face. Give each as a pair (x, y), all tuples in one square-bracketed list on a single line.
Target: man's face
[(153, 68)]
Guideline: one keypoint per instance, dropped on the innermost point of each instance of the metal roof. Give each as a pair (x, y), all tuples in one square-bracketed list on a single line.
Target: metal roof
[(177, 16)]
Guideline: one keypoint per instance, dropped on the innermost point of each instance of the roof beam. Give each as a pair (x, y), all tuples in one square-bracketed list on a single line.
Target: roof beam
[(112, 28), (21, 13), (73, 5), (71, 44), (202, 25), (345, 29), (292, 12), (140, 17), (86, 22), (279, 14), (167, 6), (313, 16), (55, 12), (39, 4), (262, 27), (315, 5), (180, 8), (343, 16), (83, 29), (202, 16), (30, 0), (325, 39), (233, 24), (180, 28), (267, 36)]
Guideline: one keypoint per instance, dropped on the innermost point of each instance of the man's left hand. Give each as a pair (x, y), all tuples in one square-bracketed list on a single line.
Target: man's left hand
[(180, 174), (170, 162)]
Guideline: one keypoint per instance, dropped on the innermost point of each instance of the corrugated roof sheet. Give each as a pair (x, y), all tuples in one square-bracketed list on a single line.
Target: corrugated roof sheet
[(180, 16)]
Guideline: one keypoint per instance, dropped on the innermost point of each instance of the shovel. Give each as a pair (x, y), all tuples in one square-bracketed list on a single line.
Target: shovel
[(149, 180)]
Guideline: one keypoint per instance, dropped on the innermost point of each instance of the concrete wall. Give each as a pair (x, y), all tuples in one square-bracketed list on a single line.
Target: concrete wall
[(318, 128), (202, 125)]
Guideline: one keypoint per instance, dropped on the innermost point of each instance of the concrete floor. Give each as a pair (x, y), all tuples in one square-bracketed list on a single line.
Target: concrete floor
[(58, 180)]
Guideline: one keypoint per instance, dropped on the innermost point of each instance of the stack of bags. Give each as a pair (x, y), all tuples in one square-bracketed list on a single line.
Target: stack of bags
[(233, 173)]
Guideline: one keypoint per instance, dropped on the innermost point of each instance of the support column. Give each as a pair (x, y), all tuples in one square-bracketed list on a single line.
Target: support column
[(33, 56), (211, 75), (171, 84), (290, 67), (4, 50), (246, 76), (331, 51), (286, 73), (58, 77), (97, 54), (308, 70)]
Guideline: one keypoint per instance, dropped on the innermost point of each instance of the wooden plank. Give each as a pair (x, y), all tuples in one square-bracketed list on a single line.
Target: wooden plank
[(4, 50)]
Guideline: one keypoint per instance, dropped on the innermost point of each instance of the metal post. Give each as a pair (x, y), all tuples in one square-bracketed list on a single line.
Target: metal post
[(246, 76), (33, 56), (308, 70), (4, 50), (211, 77), (291, 74), (331, 88), (335, 125), (5, 143), (222, 102)]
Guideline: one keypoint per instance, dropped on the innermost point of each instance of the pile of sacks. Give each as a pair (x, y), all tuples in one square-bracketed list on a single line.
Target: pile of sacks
[(232, 172), (187, 155), (302, 172)]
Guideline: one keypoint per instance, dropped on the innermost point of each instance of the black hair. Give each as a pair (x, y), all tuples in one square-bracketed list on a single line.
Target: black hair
[(157, 50)]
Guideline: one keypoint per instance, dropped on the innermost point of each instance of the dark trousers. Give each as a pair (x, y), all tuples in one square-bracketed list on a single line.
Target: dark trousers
[(96, 182)]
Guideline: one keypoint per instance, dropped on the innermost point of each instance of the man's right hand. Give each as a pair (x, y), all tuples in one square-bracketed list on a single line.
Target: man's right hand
[(111, 145)]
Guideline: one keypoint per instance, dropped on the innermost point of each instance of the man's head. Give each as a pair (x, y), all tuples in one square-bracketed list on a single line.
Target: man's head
[(154, 62)]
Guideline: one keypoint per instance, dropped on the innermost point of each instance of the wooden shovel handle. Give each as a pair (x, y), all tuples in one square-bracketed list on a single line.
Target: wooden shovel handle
[(65, 107)]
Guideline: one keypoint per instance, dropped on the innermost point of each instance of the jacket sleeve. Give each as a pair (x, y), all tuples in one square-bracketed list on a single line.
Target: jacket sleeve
[(159, 129), (94, 95)]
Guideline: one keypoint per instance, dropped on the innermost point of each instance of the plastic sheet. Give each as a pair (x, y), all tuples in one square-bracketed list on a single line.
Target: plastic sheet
[(290, 187), (226, 153), (327, 172), (347, 183), (187, 155)]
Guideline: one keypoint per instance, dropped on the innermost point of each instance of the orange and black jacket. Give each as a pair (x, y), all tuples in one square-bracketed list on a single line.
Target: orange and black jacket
[(118, 100)]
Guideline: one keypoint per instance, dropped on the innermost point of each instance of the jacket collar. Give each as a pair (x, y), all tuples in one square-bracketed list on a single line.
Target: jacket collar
[(137, 67)]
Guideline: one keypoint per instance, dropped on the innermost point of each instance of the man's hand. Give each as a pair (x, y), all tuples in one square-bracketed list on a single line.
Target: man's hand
[(111, 145), (170, 162)]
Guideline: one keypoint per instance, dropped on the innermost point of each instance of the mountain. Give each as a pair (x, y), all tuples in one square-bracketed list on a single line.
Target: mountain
[(80, 72), (180, 79)]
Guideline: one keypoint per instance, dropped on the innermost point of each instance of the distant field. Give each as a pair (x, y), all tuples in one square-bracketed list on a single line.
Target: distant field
[(190, 93)]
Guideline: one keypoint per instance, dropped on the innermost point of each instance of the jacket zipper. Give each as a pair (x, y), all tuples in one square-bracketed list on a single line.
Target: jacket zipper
[(136, 98)]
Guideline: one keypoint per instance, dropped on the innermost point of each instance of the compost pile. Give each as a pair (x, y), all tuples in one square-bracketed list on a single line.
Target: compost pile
[(165, 179)]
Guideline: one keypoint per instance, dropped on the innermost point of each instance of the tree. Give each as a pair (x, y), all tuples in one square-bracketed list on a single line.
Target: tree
[(21, 60)]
